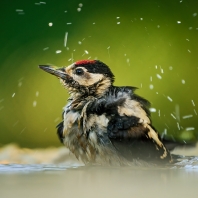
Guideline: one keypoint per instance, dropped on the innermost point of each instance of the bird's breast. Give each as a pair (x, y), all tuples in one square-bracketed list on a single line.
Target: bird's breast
[(70, 117)]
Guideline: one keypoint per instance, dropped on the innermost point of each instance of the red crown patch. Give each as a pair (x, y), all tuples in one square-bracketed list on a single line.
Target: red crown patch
[(84, 62)]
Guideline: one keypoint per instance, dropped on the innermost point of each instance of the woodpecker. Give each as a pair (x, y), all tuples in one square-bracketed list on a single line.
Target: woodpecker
[(103, 123)]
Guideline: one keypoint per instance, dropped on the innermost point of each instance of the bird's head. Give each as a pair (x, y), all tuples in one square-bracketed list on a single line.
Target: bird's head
[(85, 77)]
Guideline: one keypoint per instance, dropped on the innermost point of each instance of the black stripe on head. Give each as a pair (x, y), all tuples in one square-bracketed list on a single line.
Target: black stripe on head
[(96, 66)]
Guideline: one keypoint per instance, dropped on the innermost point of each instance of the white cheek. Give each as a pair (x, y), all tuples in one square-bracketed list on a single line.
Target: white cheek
[(78, 78), (96, 77)]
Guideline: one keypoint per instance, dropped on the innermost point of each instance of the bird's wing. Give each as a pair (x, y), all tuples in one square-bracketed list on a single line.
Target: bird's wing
[(130, 128), (60, 128)]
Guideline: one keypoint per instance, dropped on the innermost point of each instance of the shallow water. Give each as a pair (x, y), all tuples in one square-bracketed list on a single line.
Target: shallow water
[(79, 181), (54, 172)]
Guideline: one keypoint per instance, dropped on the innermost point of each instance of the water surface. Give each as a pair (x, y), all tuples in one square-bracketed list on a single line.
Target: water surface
[(75, 180)]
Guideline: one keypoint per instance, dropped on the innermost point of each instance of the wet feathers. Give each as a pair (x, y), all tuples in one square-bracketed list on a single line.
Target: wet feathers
[(103, 123)]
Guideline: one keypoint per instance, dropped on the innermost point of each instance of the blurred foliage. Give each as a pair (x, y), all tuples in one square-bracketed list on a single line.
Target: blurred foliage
[(148, 44)]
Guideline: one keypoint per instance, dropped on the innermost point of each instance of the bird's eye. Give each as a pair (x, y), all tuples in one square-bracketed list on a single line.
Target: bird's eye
[(79, 72)]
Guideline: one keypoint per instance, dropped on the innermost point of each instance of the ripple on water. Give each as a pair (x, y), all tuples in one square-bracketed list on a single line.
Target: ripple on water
[(28, 168), (185, 163)]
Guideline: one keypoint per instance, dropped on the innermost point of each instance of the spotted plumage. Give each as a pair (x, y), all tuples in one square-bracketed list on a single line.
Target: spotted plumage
[(103, 123)]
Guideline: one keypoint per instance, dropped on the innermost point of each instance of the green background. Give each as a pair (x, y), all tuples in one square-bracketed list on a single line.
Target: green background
[(139, 40)]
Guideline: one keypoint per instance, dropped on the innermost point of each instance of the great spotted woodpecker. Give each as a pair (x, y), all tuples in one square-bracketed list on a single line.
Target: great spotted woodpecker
[(103, 123)]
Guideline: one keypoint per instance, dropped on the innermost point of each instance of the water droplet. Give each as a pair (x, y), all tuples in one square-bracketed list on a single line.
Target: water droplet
[(34, 103), (178, 125), (170, 68), (22, 131), (187, 116), (50, 24), (190, 128), (78, 9), (173, 116), (65, 39), (169, 98), (19, 10), (158, 76), (177, 112), (46, 48), (151, 86), (20, 84), (58, 51), (152, 109)]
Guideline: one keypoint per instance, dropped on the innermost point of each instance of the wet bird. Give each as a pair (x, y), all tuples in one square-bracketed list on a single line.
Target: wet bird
[(103, 123)]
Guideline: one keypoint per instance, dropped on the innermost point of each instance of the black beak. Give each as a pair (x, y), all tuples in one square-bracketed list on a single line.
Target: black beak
[(56, 72)]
